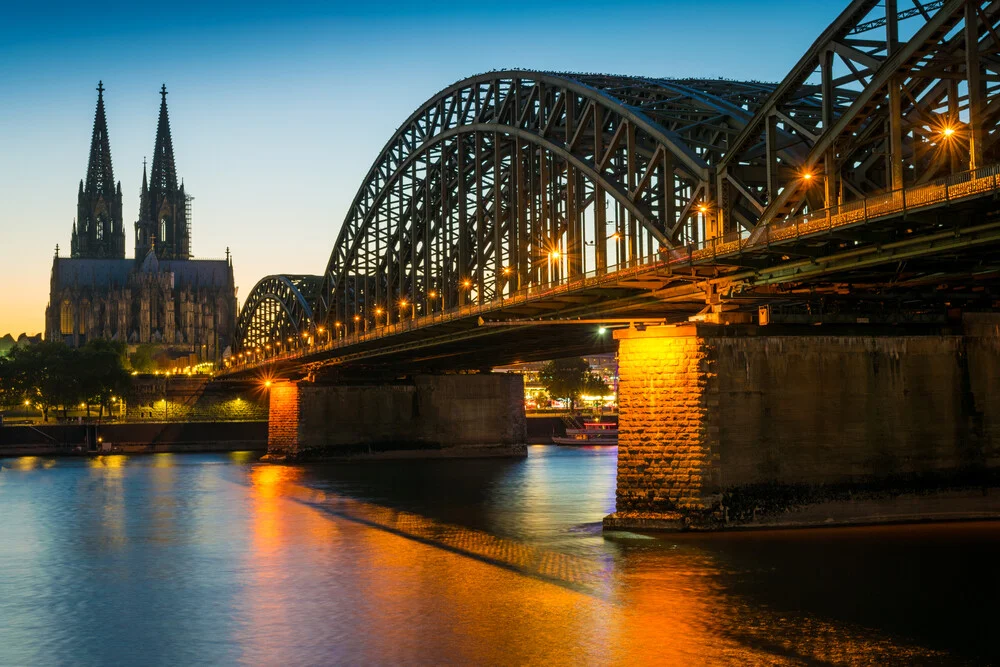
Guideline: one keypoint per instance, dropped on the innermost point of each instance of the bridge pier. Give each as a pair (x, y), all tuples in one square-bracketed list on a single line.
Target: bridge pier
[(756, 426), (427, 416)]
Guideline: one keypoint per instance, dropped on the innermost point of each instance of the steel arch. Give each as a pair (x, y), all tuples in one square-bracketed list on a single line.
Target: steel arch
[(506, 180), (278, 307)]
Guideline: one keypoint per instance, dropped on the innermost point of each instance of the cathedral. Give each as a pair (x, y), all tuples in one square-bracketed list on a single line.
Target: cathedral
[(184, 307)]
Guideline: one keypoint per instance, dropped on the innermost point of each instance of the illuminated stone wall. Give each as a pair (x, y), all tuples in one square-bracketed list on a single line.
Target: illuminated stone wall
[(283, 419), (190, 399), (665, 434), (720, 426), (452, 415)]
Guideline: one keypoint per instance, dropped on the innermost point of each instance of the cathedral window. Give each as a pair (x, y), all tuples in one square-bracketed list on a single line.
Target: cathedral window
[(163, 230), (100, 228), (66, 318)]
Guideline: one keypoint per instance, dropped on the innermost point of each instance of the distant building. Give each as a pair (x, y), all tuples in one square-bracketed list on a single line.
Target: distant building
[(8, 342), (184, 307)]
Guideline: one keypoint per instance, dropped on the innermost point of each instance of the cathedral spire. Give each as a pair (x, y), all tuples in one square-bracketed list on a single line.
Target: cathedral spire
[(163, 210), (99, 232), (164, 173), (100, 176)]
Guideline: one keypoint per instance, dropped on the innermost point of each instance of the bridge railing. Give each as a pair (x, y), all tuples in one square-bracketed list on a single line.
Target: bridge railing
[(942, 191)]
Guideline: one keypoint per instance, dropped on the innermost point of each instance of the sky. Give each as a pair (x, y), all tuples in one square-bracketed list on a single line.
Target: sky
[(278, 110)]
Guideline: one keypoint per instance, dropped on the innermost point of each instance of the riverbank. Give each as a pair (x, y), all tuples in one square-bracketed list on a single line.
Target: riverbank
[(81, 440)]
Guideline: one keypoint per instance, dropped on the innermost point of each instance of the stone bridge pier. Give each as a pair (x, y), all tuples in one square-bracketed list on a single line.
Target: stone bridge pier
[(762, 426), (426, 416)]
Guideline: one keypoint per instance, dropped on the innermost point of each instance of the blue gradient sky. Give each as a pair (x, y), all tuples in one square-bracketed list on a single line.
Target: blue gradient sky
[(278, 109)]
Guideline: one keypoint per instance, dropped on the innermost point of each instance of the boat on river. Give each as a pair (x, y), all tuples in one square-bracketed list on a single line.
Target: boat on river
[(592, 433)]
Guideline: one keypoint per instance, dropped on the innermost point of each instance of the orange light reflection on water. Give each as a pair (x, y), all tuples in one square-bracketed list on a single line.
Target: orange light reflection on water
[(422, 588)]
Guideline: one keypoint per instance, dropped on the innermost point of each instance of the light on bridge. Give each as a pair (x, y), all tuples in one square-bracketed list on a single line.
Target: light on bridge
[(432, 294), (467, 284), (403, 303), (948, 131), (554, 254), (601, 331), (378, 310)]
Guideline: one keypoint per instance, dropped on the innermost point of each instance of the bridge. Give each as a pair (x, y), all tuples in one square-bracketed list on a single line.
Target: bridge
[(521, 215)]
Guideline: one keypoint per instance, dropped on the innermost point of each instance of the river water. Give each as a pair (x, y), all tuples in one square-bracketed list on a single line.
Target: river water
[(215, 559)]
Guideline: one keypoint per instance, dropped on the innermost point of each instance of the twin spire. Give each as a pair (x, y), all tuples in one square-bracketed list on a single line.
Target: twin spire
[(100, 175), (98, 231), (164, 174)]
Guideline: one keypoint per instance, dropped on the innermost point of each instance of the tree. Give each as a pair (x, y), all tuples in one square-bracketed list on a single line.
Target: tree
[(568, 378), (50, 374), (42, 373), (100, 367), (142, 359), (594, 385)]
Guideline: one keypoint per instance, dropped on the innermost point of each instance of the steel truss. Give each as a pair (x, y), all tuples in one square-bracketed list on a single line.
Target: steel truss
[(516, 180), (278, 308), (889, 96)]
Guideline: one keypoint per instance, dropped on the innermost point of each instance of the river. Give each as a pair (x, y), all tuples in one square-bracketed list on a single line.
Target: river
[(215, 559)]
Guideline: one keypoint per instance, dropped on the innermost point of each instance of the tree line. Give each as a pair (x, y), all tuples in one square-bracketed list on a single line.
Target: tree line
[(568, 379), (52, 375)]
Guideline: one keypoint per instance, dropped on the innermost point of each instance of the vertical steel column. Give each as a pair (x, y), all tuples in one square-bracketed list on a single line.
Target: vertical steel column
[(771, 142), (522, 217), (895, 134), (544, 230), (828, 94), (895, 156), (498, 260), (600, 201), (669, 195), (462, 265), (480, 221), (977, 85), (630, 187)]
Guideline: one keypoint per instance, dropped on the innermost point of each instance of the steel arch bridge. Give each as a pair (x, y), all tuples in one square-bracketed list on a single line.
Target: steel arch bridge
[(508, 184), (278, 308)]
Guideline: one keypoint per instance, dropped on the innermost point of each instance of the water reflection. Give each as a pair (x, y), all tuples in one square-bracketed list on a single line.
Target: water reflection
[(173, 559)]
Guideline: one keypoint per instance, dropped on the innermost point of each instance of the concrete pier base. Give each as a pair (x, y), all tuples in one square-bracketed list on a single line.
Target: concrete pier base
[(426, 417), (723, 427)]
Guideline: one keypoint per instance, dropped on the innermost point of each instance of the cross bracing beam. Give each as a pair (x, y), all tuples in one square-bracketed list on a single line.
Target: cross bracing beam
[(888, 96)]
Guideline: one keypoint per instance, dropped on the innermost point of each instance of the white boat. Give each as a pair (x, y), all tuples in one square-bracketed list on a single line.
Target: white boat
[(592, 433)]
